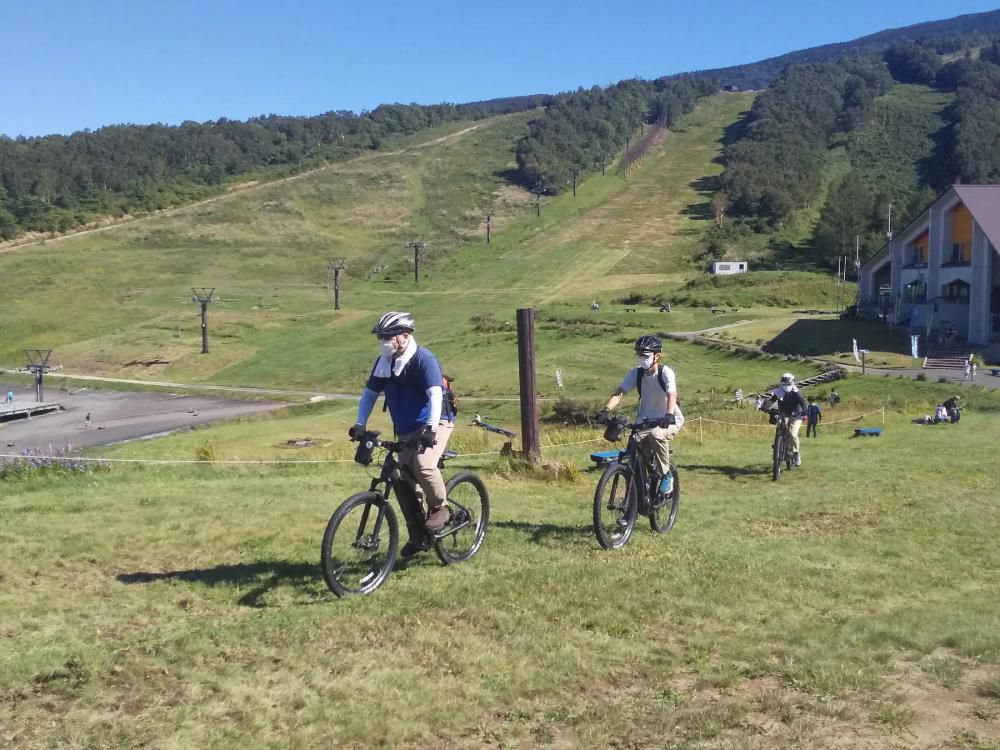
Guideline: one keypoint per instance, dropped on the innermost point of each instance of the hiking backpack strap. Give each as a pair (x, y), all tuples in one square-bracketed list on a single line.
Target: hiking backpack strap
[(659, 378)]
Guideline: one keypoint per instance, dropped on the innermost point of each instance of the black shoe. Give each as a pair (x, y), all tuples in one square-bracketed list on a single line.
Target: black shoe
[(412, 548)]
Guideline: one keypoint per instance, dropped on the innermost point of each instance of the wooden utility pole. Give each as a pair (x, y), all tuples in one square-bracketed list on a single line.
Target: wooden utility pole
[(529, 392), (538, 200), (488, 218), (604, 163), (417, 248), (203, 297), (574, 183), (336, 265)]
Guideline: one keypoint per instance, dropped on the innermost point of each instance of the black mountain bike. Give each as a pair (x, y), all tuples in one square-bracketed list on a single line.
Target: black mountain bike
[(361, 542), (782, 448), (629, 486)]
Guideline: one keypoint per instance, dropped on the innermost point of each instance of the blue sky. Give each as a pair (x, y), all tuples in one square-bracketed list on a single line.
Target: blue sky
[(73, 65)]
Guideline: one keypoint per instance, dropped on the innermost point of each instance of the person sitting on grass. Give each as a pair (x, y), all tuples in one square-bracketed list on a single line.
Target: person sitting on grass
[(941, 415)]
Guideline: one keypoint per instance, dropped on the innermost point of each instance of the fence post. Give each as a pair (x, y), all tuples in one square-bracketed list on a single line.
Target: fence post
[(701, 432), (528, 390), (883, 416)]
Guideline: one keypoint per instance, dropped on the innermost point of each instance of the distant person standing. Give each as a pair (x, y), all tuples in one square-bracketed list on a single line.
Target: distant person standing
[(968, 370), (974, 368), (10, 397), (834, 398), (739, 397), (86, 421), (813, 415)]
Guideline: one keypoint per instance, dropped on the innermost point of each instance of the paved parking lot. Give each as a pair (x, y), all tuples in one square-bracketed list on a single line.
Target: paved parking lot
[(116, 416)]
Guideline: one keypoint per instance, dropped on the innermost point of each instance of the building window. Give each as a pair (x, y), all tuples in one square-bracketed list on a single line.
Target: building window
[(956, 292), (960, 253), (723, 266), (915, 291)]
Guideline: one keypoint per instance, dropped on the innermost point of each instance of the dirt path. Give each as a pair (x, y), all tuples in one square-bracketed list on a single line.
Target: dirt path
[(237, 189)]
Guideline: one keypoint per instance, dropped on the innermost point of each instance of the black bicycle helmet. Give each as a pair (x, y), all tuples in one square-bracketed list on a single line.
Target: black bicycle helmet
[(648, 343), (392, 323)]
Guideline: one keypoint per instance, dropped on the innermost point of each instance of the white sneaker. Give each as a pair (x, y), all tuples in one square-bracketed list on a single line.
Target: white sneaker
[(796, 459)]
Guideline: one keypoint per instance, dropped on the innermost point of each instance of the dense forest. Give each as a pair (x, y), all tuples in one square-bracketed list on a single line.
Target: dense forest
[(904, 157), (54, 183), (973, 29), (579, 132)]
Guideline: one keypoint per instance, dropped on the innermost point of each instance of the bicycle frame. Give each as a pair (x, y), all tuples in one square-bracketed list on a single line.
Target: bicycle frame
[(638, 464), (391, 479)]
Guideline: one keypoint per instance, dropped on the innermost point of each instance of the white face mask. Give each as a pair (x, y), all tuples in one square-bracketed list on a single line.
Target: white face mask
[(646, 361), (388, 347), (787, 388)]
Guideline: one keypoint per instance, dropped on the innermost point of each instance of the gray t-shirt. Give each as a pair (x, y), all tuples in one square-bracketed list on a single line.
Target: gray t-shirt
[(653, 403)]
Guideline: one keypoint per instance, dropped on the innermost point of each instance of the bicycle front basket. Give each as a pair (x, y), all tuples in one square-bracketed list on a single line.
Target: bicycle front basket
[(363, 455), (613, 432)]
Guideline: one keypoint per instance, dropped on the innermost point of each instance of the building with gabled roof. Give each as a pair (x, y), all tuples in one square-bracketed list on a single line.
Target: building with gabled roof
[(942, 269)]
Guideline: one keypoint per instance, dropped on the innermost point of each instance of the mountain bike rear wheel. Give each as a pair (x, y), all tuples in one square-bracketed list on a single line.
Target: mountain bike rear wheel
[(470, 515), (663, 511), (614, 507), (360, 545)]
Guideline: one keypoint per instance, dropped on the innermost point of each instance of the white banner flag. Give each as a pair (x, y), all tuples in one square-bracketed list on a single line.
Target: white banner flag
[(559, 380), (857, 355), (914, 346)]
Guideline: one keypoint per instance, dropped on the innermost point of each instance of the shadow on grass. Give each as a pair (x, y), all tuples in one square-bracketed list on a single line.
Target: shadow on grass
[(540, 531), (733, 472), (826, 337), (261, 577)]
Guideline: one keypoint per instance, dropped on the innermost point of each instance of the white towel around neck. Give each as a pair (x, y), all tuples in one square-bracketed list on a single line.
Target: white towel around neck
[(387, 366)]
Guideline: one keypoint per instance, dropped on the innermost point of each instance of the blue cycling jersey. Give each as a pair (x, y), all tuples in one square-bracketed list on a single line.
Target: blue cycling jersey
[(406, 393)]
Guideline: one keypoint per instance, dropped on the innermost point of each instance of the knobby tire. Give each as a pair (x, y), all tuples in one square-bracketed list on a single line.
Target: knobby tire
[(452, 548), (617, 480), (334, 568)]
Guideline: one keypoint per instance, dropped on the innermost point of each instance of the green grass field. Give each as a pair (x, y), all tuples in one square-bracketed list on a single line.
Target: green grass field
[(183, 607)]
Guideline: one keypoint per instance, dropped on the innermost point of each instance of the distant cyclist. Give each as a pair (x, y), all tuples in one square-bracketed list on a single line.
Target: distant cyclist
[(787, 401), (657, 386), (410, 377)]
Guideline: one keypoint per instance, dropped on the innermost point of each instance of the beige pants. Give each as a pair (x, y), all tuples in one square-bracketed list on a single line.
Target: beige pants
[(424, 466), (655, 443), (794, 425)]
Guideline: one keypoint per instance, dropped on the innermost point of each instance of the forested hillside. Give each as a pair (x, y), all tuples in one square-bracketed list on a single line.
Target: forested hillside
[(952, 34), (911, 123), (55, 183)]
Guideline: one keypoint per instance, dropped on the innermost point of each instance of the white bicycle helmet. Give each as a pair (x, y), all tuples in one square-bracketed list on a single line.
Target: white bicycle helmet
[(788, 379), (392, 323)]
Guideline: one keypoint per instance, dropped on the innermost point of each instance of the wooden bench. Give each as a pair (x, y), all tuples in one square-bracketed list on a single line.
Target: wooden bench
[(867, 431), (630, 309)]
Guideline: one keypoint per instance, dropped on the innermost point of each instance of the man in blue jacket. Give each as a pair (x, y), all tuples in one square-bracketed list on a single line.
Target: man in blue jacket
[(410, 377)]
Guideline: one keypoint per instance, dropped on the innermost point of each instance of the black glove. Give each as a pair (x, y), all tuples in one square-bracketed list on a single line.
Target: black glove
[(357, 431), (603, 416), (668, 421), (426, 438)]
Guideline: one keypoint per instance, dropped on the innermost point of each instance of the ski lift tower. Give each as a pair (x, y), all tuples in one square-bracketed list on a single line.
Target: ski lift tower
[(38, 364), (203, 297), (336, 265)]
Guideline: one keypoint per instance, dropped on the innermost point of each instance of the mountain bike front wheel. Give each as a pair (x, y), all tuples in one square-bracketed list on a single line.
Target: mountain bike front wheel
[(614, 507), (360, 545), (779, 456)]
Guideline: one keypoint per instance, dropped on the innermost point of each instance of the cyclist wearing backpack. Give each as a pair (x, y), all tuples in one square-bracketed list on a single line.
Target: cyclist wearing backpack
[(787, 401), (657, 386), (411, 379)]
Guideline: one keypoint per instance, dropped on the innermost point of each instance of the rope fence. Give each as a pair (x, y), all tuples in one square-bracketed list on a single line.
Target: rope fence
[(327, 461)]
